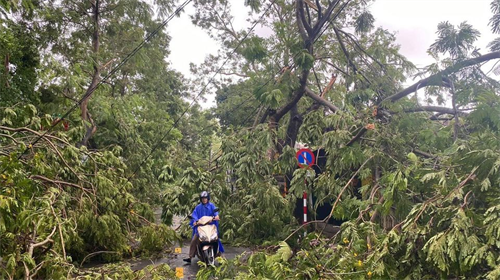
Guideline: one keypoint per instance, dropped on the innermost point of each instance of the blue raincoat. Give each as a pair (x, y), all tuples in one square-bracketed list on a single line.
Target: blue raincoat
[(205, 210)]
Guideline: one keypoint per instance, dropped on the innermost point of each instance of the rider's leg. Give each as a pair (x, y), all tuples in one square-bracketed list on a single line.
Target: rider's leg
[(193, 247)]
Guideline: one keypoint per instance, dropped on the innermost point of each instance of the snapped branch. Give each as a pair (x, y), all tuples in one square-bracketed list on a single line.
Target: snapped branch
[(436, 79), (437, 109), (321, 100), (433, 80), (56, 182)]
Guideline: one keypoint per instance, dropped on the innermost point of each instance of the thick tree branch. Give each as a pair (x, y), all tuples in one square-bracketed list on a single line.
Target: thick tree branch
[(266, 114), (95, 77), (437, 109), (454, 104), (424, 154), (320, 12), (302, 21), (41, 243), (320, 100), (433, 80), (436, 79), (309, 18), (298, 94), (324, 19), (293, 127), (358, 136), (330, 85)]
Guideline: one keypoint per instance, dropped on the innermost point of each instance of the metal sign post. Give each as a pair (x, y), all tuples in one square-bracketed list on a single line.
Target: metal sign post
[(304, 199), (306, 159)]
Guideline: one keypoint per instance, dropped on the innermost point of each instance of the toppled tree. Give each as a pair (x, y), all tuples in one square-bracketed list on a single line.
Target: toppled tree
[(428, 206)]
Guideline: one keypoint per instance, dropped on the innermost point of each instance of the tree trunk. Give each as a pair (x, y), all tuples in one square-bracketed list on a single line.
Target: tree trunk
[(308, 35), (293, 127), (86, 117)]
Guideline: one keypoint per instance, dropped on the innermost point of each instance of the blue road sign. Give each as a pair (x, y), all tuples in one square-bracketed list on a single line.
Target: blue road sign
[(305, 158)]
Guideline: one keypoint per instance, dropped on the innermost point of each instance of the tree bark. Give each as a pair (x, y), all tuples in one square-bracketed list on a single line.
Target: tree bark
[(293, 127), (86, 117), (321, 101), (299, 92), (308, 35), (302, 21)]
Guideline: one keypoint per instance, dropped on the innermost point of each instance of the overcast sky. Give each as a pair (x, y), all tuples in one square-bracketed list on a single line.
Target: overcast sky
[(414, 21)]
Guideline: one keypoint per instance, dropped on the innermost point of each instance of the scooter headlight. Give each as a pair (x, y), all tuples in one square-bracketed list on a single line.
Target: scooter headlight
[(214, 236), (203, 238)]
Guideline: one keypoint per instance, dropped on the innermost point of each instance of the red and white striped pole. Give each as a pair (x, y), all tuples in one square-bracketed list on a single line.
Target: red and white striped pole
[(304, 198)]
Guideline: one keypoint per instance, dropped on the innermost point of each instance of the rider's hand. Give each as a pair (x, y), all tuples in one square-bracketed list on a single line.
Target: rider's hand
[(216, 218)]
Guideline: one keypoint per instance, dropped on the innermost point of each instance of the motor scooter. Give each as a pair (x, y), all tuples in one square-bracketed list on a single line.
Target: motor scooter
[(208, 247)]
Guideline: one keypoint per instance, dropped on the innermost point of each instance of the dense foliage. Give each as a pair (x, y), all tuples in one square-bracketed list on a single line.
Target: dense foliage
[(84, 187), (428, 203), (427, 155)]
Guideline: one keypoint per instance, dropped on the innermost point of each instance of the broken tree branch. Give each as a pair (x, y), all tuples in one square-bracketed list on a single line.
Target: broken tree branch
[(55, 182), (320, 100), (437, 109), (435, 80)]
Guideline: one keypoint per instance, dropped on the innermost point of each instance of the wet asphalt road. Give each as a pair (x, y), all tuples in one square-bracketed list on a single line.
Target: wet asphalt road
[(175, 260)]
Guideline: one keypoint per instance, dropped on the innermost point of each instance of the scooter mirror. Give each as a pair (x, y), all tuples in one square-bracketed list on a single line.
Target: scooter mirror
[(216, 210)]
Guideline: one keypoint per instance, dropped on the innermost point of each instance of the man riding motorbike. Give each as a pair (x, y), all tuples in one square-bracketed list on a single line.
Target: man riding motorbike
[(205, 208)]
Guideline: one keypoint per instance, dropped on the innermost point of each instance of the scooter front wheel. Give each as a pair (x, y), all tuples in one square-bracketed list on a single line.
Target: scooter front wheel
[(209, 256)]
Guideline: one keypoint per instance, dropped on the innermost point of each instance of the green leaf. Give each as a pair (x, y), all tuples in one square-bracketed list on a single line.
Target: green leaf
[(412, 157), (285, 252)]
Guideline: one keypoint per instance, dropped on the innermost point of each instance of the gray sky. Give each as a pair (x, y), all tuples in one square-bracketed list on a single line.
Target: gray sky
[(414, 21)]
